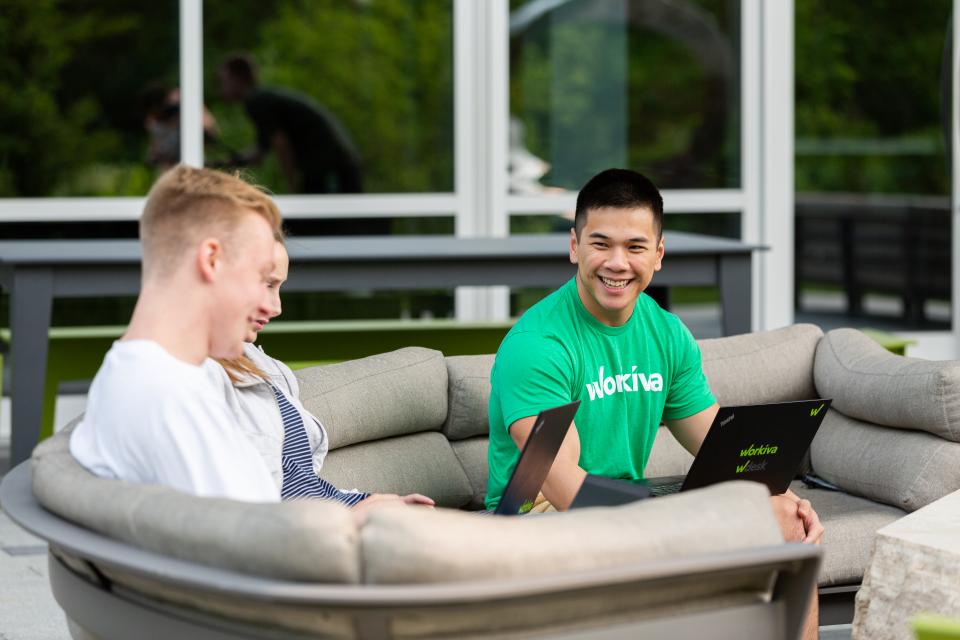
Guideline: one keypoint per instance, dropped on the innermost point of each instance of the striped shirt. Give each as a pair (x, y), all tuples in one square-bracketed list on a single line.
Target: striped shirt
[(299, 479)]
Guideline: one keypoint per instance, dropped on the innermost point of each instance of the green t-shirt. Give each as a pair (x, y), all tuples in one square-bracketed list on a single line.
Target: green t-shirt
[(627, 378)]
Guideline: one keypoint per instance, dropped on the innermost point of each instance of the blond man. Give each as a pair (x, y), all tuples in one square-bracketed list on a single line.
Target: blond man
[(153, 416)]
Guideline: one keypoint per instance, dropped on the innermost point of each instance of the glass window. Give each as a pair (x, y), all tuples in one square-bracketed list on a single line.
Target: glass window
[(724, 225), (872, 178), (649, 85), (337, 96), (79, 119)]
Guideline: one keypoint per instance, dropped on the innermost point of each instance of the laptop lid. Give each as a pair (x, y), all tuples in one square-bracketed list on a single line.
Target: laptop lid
[(764, 443), (539, 452)]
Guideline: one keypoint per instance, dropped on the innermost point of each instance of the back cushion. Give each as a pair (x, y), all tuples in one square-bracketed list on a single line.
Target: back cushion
[(320, 541), (767, 366), (869, 383), (668, 457), (418, 463), (903, 468), (472, 454), (389, 394), (468, 396), (411, 546)]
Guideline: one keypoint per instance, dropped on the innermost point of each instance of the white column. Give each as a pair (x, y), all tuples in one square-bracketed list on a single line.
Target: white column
[(191, 82), (955, 176), (776, 275), (481, 80), (751, 155)]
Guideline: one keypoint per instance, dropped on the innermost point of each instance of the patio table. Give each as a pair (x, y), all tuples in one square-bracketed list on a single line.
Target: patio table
[(35, 272)]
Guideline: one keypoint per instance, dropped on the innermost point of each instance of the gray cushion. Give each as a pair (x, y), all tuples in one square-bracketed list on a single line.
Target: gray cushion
[(404, 391), (472, 454), (416, 546), (905, 469), (419, 463), (668, 457), (850, 524), (767, 366), (869, 383), (320, 539), (468, 396)]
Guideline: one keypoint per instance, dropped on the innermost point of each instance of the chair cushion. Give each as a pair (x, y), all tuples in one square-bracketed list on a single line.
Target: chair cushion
[(767, 366), (905, 469), (309, 540), (668, 457), (468, 396), (869, 383), (417, 463), (418, 546), (389, 394), (849, 526), (472, 454)]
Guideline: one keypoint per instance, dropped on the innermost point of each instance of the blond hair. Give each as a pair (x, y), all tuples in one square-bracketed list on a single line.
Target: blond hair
[(186, 204), (241, 368)]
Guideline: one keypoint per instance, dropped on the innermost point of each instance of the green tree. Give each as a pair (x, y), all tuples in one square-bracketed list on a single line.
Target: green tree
[(383, 69), (869, 75)]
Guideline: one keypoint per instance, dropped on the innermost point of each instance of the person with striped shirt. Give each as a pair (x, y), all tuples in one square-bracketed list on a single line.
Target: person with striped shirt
[(263, 395)]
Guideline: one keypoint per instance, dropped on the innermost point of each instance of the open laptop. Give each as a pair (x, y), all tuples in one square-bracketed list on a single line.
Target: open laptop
[(763, 442), (535, 460)]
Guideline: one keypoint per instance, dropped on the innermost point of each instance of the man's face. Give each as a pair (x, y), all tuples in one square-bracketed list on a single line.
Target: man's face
[(616, 256), (281, 266), (241, 295)]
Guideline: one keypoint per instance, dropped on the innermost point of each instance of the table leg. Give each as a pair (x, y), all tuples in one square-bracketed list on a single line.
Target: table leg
[(31, 302), (736, 294)]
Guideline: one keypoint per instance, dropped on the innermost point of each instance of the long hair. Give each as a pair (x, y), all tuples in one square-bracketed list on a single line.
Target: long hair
[(240, 368)]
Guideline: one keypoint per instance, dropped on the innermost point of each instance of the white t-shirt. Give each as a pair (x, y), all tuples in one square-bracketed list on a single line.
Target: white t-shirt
[(152, 418)]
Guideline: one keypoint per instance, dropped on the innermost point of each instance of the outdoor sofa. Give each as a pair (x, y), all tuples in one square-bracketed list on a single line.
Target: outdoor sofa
[(705, 563)]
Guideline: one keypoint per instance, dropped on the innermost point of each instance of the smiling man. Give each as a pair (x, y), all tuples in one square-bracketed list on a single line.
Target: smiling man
[(601, 340)]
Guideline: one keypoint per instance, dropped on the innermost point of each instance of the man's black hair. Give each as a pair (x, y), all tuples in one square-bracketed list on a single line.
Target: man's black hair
[(619, 189), (241, 66)]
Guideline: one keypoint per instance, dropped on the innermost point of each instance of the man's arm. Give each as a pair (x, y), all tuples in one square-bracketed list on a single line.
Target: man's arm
[(691, 431), (565, 477)]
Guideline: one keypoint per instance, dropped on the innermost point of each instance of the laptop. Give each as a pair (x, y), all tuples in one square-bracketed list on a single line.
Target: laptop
[(763, 443), (539, 452)]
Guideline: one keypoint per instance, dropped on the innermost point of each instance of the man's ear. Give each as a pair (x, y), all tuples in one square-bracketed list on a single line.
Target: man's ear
[(573, 246), (659, 263), (209, 259)]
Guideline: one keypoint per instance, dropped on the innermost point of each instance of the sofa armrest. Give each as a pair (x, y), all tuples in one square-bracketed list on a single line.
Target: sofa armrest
[(793, 568)]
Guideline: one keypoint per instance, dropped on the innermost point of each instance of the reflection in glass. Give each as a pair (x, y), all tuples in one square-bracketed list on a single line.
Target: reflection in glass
[(315, 153), (78, 116), (652, 85), (342, 97), (723, 225), (872, 178)]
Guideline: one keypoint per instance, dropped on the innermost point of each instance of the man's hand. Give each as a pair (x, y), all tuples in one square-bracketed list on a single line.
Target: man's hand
[(811, 521), (363, 509), (565, 477)]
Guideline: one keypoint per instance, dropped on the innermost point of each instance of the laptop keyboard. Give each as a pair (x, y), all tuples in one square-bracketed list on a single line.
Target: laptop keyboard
[(665, 489)]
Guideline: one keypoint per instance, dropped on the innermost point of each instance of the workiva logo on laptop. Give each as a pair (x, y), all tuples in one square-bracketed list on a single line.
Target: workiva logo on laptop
[(624, 383), (753, 450)]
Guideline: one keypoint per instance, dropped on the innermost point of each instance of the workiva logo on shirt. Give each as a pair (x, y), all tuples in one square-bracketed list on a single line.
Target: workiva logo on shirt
[(624, 383)]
